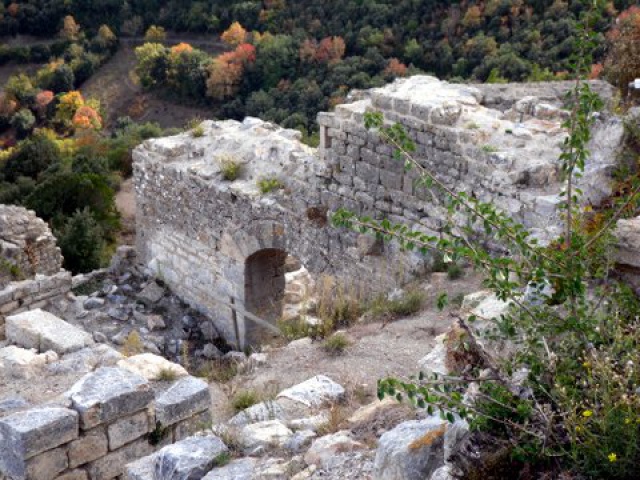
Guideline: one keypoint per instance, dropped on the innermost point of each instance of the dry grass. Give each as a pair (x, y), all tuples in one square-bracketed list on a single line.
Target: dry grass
[(218, 370), (132, 345)]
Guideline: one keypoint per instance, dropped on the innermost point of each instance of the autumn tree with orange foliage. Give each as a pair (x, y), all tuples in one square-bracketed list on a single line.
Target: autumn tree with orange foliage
[(396, 68), (226, 71), (622, 64), (87, 117), (330, 50), (43, 99), (234, 35), (70, 29)]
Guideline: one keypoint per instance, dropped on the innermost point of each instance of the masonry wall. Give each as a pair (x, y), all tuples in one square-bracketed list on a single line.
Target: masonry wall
[(113, 417), (197, 237)]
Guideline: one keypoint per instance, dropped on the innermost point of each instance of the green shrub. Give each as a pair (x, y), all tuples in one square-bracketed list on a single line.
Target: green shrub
[(454, 271), (230, 167), (267, 185), (197, 131), (489, 149), (336, 344), (81, 241), (245, 399)]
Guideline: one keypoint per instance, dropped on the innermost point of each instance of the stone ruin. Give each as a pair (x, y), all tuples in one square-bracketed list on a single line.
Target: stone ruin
[(31, 273), (222, 245)]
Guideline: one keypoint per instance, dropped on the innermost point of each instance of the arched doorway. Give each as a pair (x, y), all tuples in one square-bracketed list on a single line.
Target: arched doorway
[(264, 290)]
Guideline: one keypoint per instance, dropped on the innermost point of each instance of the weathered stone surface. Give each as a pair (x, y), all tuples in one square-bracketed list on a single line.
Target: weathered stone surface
[(243, 468), (259, 412), (151, 366), (189, 459), (113, 464), (151, 294), (264, 435), (127, 429), (107, 394), (324, 449), (182, 400), (26, 434), (44, 331), (47, 465), (411, 451), (77, 474), (91, 446), (434, 361), (192, 425), (143, 469), (627, 234), (315, 392), (23, 363)]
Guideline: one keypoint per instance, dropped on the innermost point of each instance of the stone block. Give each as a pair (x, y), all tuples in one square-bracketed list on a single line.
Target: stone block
[(189, 459), (47, 465), (315, 392), (77, 474), (143, 469), (91, 446), (26, 434), (182, 400), (151, 366), (107, 394), (191, 426), (113, 464), (127, 429), (44, 331)]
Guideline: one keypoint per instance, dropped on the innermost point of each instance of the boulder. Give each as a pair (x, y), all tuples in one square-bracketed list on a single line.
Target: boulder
[(315, 392), (257, 437), (23, 363), (241, 468), (627, 235), (260, 412), (44, 331), (151, 366), (189, 459), (324, 449), (411, 451), (151, 294), (434, 361)]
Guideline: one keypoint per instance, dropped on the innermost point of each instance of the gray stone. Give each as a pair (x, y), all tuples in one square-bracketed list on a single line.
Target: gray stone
[(300, 440), (127, 429), (182, 400), (26, 434), (91, 446), (113, 464), (240, 469), (13, 403), (151, 294), (324, 449), (93, 303), (260, 412), (189, 459), (264, 435), (143, 469), (44, 331), (108, 394), (47, 465), (411, 451), (210, 351), (315, 392)]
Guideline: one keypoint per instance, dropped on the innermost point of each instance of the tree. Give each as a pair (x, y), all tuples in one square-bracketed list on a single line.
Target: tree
[(155, 34), (87, 118), (622, 64), (32, 157), (67, 106), (234, 35), (151, 64), (20, 89), (23, 121), (81, 241), (395, 68), (226, 71), (62, 79), (70, 29), (330, 50)]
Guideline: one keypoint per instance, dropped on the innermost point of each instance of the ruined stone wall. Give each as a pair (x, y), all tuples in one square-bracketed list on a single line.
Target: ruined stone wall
[(31, 294), (27, 246), (506, 158), (198, 231), (110, 418), (30, 263)]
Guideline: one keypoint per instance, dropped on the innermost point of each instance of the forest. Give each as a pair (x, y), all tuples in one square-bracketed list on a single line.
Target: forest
[(283, 61)]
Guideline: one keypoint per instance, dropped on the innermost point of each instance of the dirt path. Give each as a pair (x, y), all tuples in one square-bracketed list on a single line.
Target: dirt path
[(376, 351)]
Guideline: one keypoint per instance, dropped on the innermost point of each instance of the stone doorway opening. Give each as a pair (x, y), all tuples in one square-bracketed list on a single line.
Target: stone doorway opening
[(277, 286)]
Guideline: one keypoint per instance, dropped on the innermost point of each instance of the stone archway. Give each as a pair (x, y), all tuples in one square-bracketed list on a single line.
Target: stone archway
[(264, 289)]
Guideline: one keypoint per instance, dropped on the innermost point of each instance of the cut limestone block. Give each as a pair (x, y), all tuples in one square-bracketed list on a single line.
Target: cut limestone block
[(26, 434), (151, 366), (44, 331), (108, 394), (184, 399), (113, 464)]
